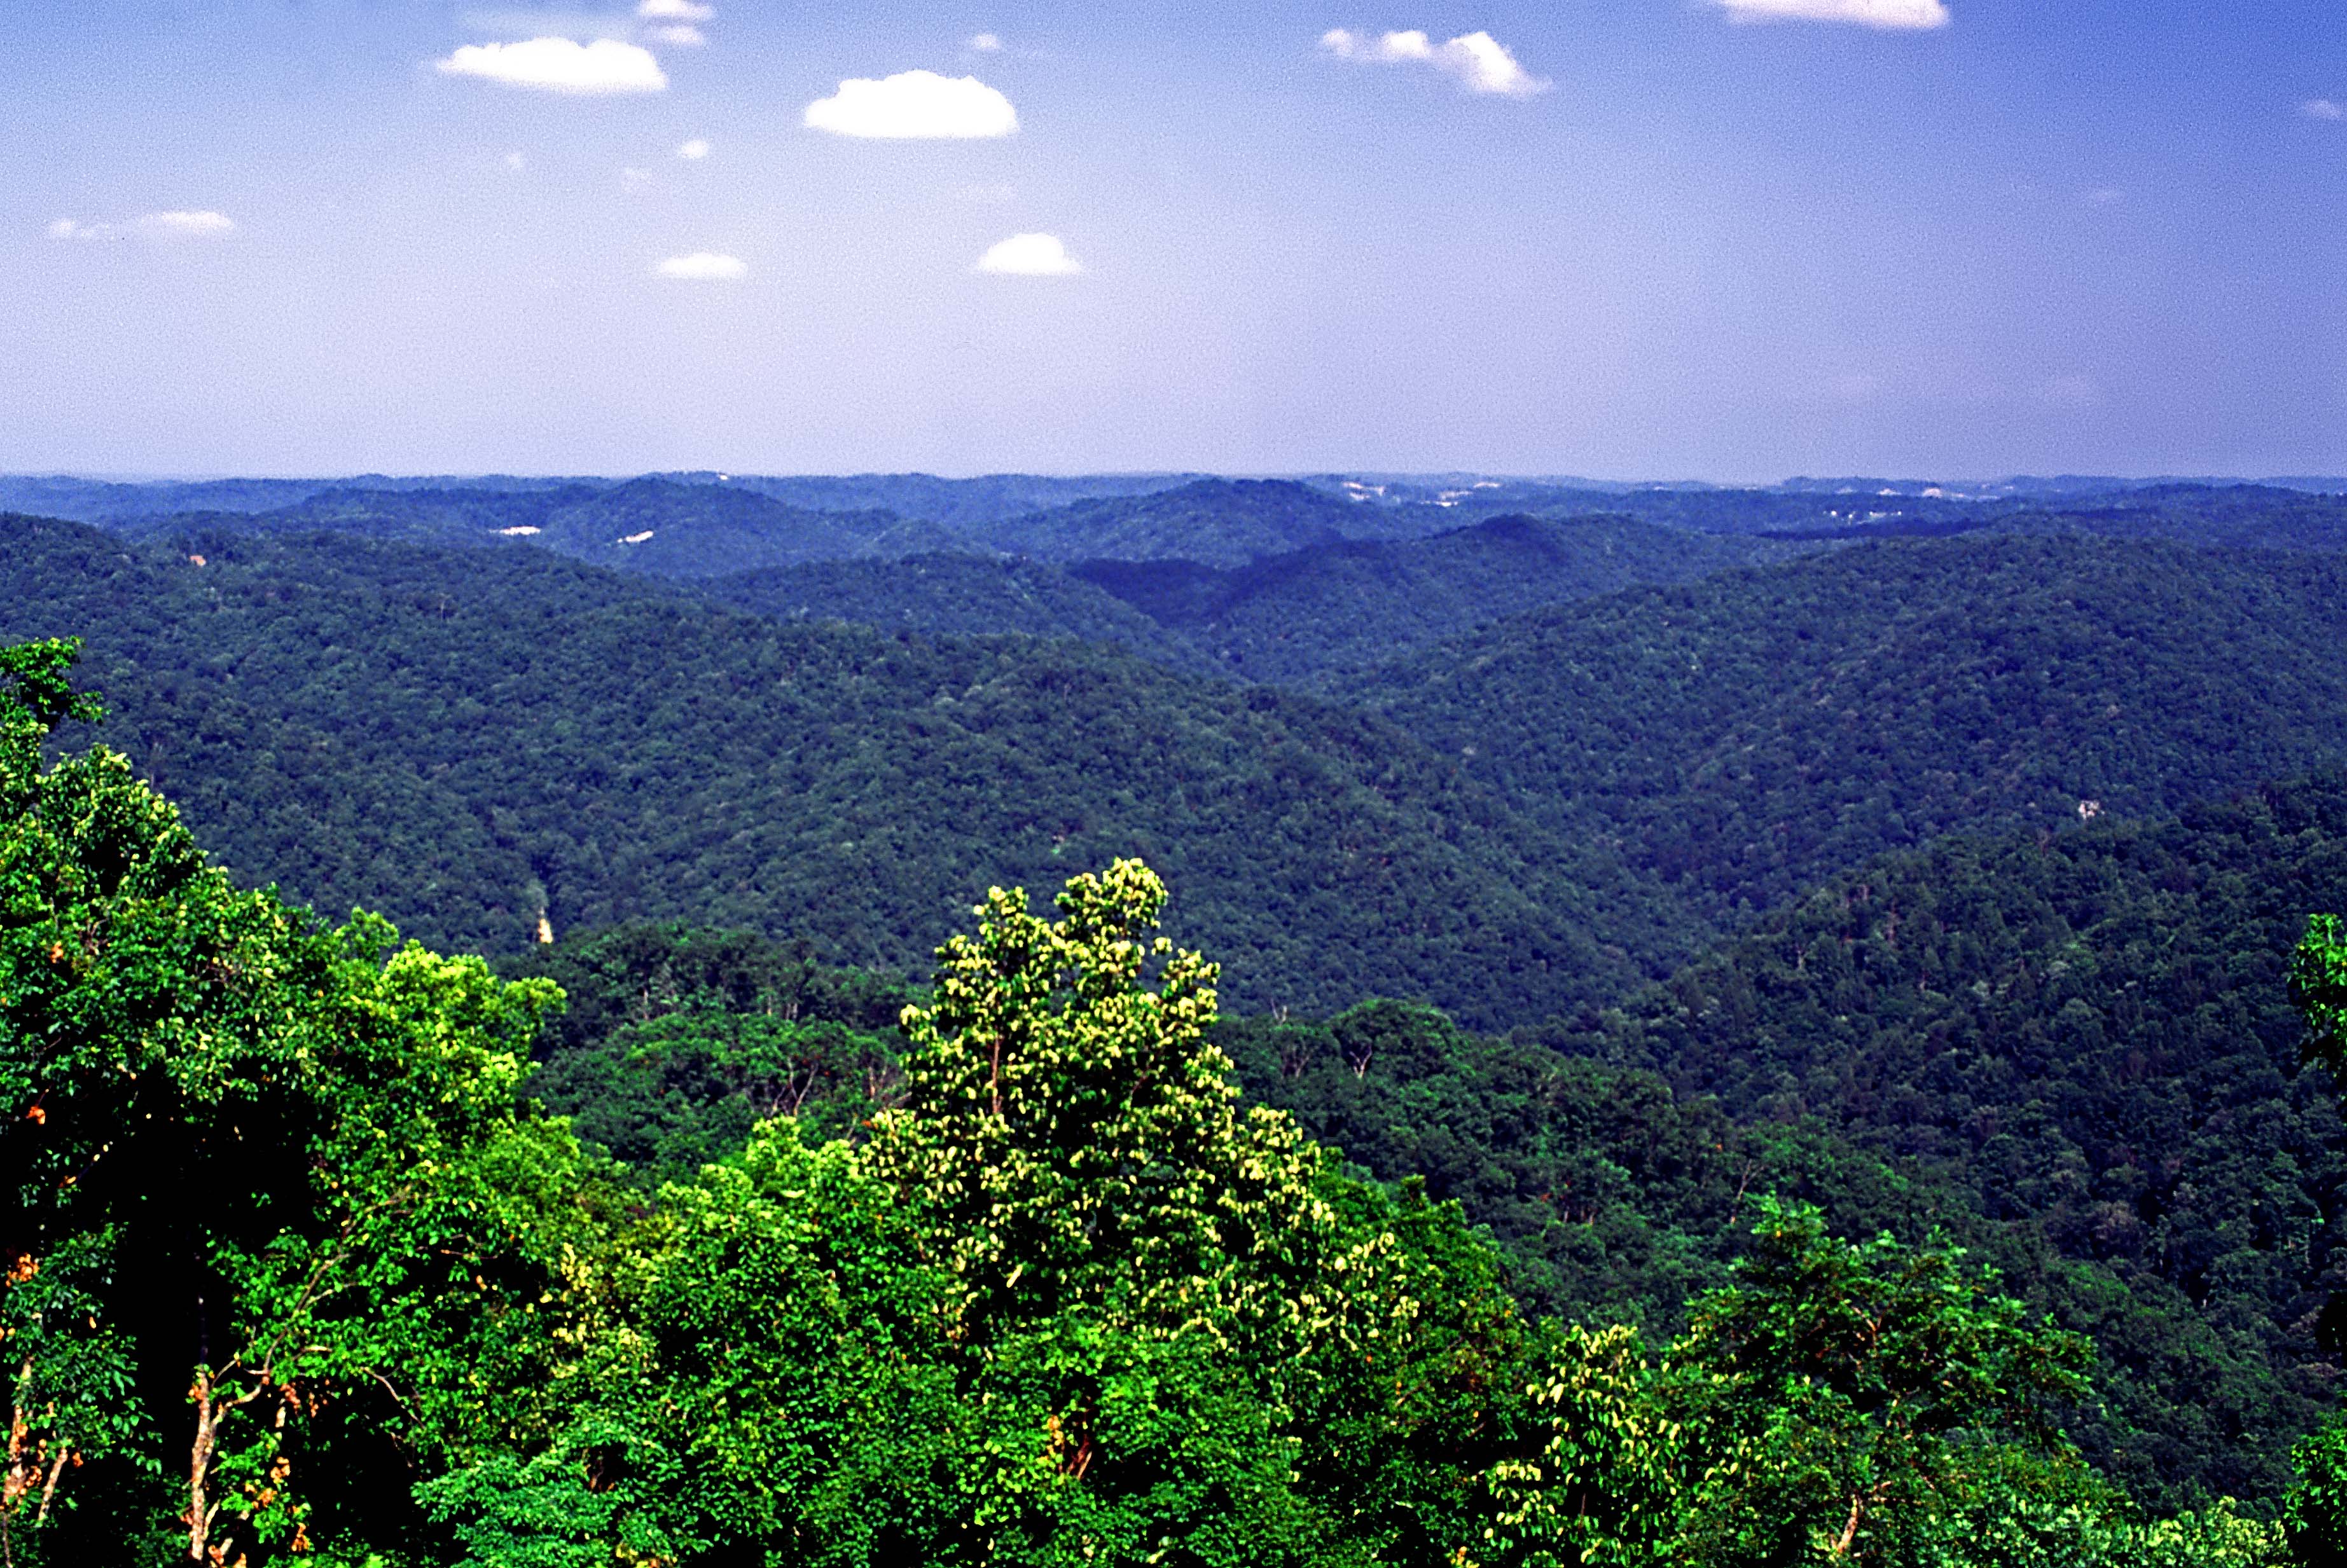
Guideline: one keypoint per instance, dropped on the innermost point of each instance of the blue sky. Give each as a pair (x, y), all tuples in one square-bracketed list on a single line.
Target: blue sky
[(1638, 239)]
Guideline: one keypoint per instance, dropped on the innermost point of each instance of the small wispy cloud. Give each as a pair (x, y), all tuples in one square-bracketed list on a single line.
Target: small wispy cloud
[(682, 33), (987, 44), (551, 65), (705, 267), (516, 162), (675, 11), (179, 224), (634, 179), (1890, 16), (2107, 196), (186, 225), (693, 151), (2323, 109), (1477, 60), (1030, 256), (914, 105)]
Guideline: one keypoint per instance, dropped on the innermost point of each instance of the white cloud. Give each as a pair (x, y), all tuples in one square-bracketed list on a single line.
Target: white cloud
[(987, 44), (1480, 62), (182, 224), (634, 179), (186, 225), (915, 105), (1030, 256), (675, 11), (516, 162), (560, 66), (693, 151), (705, 267), (682, 33), (1892, 15), (2323, 109)]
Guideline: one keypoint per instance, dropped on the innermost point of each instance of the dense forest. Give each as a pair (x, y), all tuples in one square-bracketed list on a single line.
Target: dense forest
[(1057, 1298), (469, 741), (1746, 1027)]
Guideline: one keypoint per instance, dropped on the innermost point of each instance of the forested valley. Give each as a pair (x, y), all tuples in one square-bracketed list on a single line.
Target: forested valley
[(1172, 1020)]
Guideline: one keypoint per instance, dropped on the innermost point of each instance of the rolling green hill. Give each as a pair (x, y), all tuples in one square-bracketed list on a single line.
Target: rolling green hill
[(1220, 522), (2090, 1035), (1746, 735), (1303, 618), (462, 738), (957, 596)]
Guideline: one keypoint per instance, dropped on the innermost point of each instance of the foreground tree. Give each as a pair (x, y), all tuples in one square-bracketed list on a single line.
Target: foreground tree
[(1069, 1304), (270, 1194), (1838, 1403)]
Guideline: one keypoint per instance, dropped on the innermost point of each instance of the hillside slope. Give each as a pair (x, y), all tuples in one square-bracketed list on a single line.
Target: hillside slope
[(1309, 615), (1749, 734), (463, 738), (1220, 522), (2090, 1034)]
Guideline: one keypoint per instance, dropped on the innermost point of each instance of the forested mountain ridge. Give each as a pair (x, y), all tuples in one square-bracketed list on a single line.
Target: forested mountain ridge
[(1748, 735), (954, 594), (464, 738), (1218, 522), (2090, 1035), (1305, 617), (2078, 1054)]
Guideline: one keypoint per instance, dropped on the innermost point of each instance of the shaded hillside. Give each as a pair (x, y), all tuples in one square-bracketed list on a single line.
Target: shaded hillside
[(656, 526), (461, 738), (2237, 517), (672, 530), (965, 507), (1748, 735), (1220, 522), (2091, 1034), (955, 595), (1300, 619)]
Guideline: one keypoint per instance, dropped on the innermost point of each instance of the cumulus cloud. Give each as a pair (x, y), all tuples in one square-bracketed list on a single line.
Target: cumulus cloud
[(1030, 256), (1892, 15), (705, 267), (2323, 109), (675, 11), (914, 105), (1479, 61), (560, 66), (181, 224), (987, 44), (693, 151)]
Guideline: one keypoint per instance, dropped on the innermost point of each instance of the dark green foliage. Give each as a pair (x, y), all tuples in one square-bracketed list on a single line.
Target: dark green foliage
[(467, 739), (1220, 522), (957, 596), (965, 506), (272, 1210), (1306, 617), (1746, 737), (675, 1041), (2091, 1036)]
